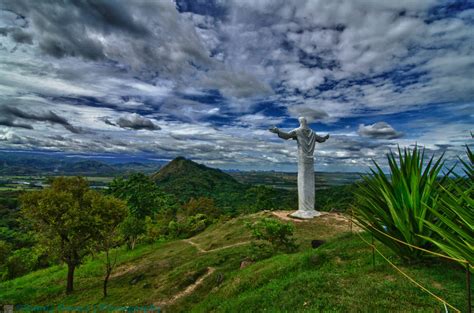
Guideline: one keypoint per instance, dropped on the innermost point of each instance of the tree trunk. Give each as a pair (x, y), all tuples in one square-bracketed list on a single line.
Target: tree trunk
[(70, 278), (106, 280), (108, 270)]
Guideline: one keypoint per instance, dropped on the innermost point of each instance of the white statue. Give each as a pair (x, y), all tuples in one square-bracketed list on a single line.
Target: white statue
[(306, 139)]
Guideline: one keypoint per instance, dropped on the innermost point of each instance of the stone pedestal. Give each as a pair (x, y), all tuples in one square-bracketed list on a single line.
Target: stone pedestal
[(305, 188), (305, 214)]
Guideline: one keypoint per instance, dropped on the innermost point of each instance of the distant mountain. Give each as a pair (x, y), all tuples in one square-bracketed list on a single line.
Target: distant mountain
[(188, 179), (91, 167), (40, 164)]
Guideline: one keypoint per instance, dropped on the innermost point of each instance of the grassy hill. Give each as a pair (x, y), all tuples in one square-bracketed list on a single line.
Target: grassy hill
[(187, 179), (190, 179), (203, 274)]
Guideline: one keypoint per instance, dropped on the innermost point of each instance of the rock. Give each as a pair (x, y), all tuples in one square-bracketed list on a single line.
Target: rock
[(136, 279), (316, 243), (245, 263), (219, 278), (315, 259)]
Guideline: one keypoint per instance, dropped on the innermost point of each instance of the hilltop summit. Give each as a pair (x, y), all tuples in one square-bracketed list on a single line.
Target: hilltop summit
[(188, 179)]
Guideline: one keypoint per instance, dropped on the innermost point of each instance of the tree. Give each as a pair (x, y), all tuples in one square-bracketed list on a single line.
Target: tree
[(132, 228), (271, 236), (201, 205), (113, 212), (140, 192), (67, 219), (144, 199)]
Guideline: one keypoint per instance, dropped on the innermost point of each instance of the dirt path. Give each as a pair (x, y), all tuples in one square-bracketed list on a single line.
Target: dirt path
[(188, 289), (215, 249)]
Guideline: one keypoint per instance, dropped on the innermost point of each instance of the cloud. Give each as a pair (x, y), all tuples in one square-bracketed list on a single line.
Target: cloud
[(134, 121), (10, 123), (17, 34), (311, 114), (379, 130), (48, 116), (146, 36), (217, 74)]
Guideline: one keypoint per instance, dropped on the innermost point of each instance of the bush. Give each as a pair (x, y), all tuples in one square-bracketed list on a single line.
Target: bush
[(201, 205), (188, 227), (196, 224), (399, 206), (21, 262), (271, 236)]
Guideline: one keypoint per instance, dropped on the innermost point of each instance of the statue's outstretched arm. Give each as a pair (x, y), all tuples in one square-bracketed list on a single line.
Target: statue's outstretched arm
[(322, 139), (282, 134)]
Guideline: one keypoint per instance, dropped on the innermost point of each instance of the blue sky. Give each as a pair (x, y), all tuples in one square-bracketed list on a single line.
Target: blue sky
[(206, 79)]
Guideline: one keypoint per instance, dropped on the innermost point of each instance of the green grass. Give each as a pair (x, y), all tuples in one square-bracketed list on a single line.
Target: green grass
[(336, 277)]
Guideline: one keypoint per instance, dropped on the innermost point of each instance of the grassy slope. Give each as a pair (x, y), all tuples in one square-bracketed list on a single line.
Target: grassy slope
[(336, 277)]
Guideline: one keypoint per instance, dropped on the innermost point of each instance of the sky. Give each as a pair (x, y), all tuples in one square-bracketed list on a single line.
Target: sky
[(206, 79)]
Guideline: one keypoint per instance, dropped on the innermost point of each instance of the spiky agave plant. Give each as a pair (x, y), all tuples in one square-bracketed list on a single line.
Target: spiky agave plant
[(397, 205), (455, 228)]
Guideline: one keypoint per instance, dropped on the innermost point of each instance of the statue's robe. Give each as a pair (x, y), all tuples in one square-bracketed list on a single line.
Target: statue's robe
[(306, 139)]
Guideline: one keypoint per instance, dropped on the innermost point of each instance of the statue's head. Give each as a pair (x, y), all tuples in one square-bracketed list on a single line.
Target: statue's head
[(302, 121)]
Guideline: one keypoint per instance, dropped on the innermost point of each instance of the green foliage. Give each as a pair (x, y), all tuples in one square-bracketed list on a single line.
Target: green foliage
[(187, 180), (144, 200), (335, 198), (260, 197), (399, 205), (21, 262), (69, 218), (201, 205), (456, 216), (340, 273), (153, 230), (141, 194), (271, 236), (196, 223), (132, 229), (113, 213), (5, 249), (188, 226)]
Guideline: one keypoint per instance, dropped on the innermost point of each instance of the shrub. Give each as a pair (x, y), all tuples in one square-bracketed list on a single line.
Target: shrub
[(399, 206), (201, 205), (271, 236), (21, 262), (196, 224), (456, 216)]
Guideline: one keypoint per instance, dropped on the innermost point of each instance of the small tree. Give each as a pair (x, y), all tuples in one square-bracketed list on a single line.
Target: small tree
[(66, 219), (271, 231), (132, 228), (114, 212)]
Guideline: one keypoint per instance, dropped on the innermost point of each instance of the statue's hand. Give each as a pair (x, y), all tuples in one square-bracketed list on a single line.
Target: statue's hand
[(273, 130), (326, 137)]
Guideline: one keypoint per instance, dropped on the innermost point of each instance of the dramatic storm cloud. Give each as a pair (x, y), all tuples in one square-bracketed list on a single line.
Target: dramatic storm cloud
[(379, 130), (206, 79), (134, 121)]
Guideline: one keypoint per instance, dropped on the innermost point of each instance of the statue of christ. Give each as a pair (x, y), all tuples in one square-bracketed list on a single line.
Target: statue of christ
[(306, 139)]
